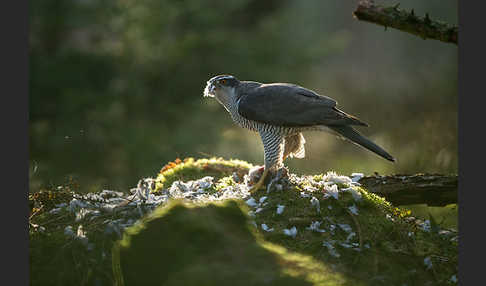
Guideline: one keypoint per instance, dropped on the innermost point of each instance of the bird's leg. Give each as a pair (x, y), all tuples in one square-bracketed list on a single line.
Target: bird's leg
[(283, 172), (273, 146), (279, 174)]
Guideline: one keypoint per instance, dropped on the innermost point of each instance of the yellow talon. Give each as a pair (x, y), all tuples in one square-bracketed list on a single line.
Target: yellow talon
[(259, 184)]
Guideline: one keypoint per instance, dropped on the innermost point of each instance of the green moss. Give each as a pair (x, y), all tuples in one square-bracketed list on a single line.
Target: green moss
[(60, 259), (191, 169), (182, 243), (215, 243), (395, 255), (446, 215)]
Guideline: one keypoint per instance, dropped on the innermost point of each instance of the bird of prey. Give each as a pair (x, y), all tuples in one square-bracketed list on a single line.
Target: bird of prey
[(280, 112)]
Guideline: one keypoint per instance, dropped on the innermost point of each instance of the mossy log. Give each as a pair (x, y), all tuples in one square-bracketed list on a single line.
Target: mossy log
[(196, 224), (430, 189), (392, 16)]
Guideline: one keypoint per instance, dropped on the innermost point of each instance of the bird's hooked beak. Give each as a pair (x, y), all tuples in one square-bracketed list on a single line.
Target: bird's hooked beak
[(211, 87)]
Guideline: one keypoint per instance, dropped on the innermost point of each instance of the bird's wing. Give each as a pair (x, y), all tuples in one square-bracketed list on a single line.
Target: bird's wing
[(293, 106)]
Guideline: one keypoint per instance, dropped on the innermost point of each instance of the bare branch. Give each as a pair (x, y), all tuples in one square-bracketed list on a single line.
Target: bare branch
[(392, 16)]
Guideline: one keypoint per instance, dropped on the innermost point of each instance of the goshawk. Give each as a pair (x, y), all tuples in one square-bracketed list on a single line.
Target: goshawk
[(279, 112)]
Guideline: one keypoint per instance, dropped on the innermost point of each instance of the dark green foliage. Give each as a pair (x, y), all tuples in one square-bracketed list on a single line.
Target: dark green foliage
[(116, 87)]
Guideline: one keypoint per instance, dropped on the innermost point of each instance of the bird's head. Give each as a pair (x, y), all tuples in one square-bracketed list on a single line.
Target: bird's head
[(222, 87)]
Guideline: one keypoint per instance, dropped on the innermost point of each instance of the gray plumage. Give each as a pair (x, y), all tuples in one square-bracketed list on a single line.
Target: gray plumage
[(292, 106), (279, 112)]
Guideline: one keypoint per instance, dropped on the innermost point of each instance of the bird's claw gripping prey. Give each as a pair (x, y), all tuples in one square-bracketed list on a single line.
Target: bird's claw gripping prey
[(260, 182), (280, 112), (257, 178)]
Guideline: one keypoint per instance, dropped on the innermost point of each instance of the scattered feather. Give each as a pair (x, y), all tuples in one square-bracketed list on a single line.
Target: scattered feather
[(345, 245), (291, 232), (428, 262), (315, 203), (81, 213), (235, 177), (304, 195), (266, 228), (445, 232), (346, 227), (331, 191), (354, 192), (355, 177), (315, 226), (280, 209), (205, 182), (310, 189), (107, 194), (55, 210), (353, 209), (76, 204), (80, 232), (68, 230), (350, 236), (333, 177), (109, 207), (251, 202), (330, 248), (453, 278)]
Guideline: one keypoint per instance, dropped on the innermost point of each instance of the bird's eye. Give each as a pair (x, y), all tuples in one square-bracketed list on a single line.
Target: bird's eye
[(223, 81)]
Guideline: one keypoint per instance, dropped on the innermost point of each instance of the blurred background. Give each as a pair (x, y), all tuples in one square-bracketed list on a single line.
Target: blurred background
[(116, 86)]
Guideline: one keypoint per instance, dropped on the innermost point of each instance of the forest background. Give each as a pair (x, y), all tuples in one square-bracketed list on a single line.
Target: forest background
[(116, 86)]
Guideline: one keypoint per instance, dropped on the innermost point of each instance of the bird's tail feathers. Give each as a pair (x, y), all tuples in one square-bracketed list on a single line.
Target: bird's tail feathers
[(351, 134)]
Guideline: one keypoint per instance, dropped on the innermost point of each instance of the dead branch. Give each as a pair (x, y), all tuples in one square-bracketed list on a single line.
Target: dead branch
[(392, 16)]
